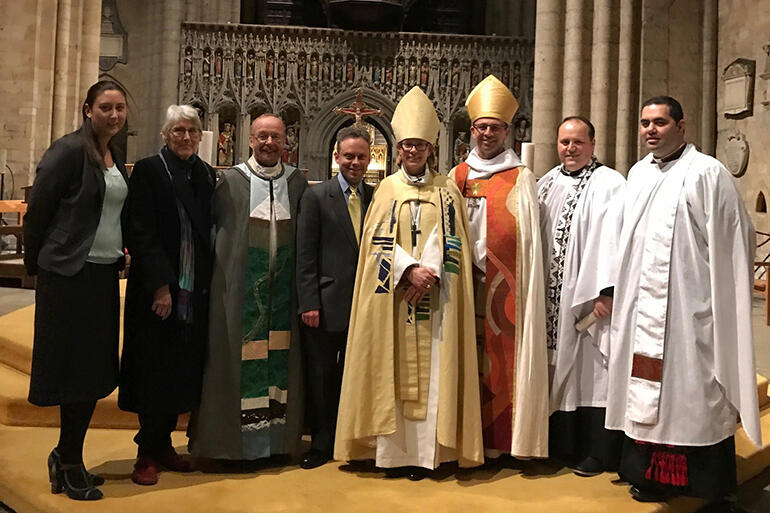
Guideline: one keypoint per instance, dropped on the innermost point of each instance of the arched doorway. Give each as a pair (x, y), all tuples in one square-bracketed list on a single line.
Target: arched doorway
[(381, 152), (316, 153)]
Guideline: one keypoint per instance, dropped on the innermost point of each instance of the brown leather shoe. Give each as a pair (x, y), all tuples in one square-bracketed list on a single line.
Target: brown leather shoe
[(145, 471), (172, 461)]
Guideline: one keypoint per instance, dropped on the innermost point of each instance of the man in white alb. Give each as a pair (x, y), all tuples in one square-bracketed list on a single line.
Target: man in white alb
[(580, 226), (682, 362)]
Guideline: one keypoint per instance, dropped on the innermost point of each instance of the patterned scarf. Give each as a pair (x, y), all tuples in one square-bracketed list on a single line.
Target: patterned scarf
[(184, 306), (560, 243), (186, 266)]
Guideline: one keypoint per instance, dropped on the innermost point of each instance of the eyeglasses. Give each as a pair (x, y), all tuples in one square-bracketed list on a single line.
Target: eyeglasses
[(408, 146), (264, 137), (179, 132), (493, 127)]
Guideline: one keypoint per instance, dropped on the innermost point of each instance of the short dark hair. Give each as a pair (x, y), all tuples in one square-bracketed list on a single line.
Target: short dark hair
[(353, 132), (583, 119), (674, 107)]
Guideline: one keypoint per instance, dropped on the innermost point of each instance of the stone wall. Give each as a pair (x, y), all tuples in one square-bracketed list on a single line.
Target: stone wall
[(50, 52), (152, 68), (602, 58), (744, 29)]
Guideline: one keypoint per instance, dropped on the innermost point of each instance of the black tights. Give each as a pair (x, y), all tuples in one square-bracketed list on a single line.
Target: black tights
[(75, 418)]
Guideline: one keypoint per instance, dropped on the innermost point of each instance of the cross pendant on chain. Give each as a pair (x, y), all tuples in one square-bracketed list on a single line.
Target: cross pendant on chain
[(415, 232)]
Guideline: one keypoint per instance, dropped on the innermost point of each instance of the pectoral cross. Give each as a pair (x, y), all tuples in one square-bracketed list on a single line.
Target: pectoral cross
[(415, 232)]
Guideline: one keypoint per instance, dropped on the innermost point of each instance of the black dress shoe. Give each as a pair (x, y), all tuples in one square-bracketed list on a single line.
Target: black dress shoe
[(54, 462), (647, 495), (313, 458), (76, 483), (415, 473), (589, 467)]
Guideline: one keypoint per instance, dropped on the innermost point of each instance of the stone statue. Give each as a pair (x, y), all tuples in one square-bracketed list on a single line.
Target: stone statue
[(225, 146), (291, 149)]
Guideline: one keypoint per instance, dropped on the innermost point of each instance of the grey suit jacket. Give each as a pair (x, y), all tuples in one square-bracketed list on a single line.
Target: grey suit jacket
[(65, 205), (327, 253)]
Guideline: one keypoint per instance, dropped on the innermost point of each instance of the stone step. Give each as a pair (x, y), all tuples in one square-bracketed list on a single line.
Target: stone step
[(17, 331), (15, 410)]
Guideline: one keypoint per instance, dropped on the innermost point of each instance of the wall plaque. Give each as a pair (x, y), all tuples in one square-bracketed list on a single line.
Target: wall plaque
[(737, 154), (738, 88)]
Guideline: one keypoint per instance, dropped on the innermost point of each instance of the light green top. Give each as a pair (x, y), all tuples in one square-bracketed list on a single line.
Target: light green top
[(108, 241)]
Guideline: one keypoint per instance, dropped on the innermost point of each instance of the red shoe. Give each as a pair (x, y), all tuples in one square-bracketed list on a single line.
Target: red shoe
[(145, 471), (172, 461)]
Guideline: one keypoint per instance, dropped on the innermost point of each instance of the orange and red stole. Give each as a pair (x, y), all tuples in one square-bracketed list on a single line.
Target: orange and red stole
[(498, 307)]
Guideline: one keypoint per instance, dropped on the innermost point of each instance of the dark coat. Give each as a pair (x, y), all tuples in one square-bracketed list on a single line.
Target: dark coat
[(75, 351), (327, 253), (65, 205), (162, 361)]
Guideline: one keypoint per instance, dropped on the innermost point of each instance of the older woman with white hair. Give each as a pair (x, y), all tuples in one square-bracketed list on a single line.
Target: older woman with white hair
[(166, 314)]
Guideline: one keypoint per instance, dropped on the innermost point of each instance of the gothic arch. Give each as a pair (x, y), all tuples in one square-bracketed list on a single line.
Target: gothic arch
[(326, 123)]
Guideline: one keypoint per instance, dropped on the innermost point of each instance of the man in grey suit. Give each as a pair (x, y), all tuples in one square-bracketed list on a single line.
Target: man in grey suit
[(330, 220)]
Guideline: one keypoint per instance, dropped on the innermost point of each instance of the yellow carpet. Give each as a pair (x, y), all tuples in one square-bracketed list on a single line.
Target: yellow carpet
[(532, 487), (24, 487)]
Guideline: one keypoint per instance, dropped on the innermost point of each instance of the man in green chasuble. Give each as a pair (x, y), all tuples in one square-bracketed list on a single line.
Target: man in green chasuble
[(251, 406)]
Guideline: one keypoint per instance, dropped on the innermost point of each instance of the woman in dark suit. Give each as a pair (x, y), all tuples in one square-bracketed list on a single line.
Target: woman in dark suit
[(168, 235), (73, 243)]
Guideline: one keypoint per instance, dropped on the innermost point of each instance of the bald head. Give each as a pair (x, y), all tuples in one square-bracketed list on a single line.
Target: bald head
[(267, 139)]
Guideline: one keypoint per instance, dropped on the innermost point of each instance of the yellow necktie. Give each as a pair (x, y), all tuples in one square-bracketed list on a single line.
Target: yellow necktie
[(354, 207)]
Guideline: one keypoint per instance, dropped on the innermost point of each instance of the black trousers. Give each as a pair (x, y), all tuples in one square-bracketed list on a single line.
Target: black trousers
[(576, 435), (75, 418), (324, 353), (154, 436)]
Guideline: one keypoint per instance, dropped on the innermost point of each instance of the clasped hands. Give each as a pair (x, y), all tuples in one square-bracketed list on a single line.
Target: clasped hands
[(420, 279)]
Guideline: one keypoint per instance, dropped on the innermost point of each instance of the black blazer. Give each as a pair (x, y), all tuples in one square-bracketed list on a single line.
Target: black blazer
[(327, 253), (65, 206)]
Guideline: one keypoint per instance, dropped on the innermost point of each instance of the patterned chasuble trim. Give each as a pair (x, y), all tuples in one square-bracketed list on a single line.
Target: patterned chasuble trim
[(497, 337), (453, 245), (559, 251), (265, 350)]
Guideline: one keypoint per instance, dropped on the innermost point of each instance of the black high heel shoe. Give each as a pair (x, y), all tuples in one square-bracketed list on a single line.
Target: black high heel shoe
[(74, 480), (54, 459)]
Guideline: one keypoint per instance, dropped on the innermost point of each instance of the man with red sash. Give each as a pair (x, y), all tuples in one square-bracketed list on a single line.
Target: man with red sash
[(501, 199)]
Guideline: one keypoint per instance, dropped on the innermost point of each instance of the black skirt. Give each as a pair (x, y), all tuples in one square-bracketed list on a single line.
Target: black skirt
[(576, 435), (710, 470), (75, 353)]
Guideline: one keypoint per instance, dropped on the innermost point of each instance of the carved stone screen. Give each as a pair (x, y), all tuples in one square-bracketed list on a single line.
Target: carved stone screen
[(301, 74)]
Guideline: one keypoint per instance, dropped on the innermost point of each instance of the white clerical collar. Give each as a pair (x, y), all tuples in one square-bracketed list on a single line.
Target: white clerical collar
[(501, 162), (266, 172), (417, 180)]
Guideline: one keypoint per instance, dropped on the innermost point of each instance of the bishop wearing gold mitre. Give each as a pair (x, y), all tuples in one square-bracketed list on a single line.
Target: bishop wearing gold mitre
[(410, 396), (506, 251)]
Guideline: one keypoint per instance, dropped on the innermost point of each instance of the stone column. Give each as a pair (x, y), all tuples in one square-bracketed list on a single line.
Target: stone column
[(243, 131), (628, 89), (61, 77), (92, 17), (212, 124), (709, 93), (445, 143), (546, 111), (601, 71), (574, 58)]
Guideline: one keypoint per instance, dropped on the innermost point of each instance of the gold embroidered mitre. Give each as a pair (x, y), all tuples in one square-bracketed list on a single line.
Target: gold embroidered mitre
[(491, 99), (415, 117)]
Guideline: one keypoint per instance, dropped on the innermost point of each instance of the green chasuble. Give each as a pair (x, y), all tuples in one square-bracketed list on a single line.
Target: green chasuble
[(251, 405)]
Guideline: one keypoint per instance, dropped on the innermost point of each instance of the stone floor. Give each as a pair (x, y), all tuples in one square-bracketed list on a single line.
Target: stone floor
[(753, 495)]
